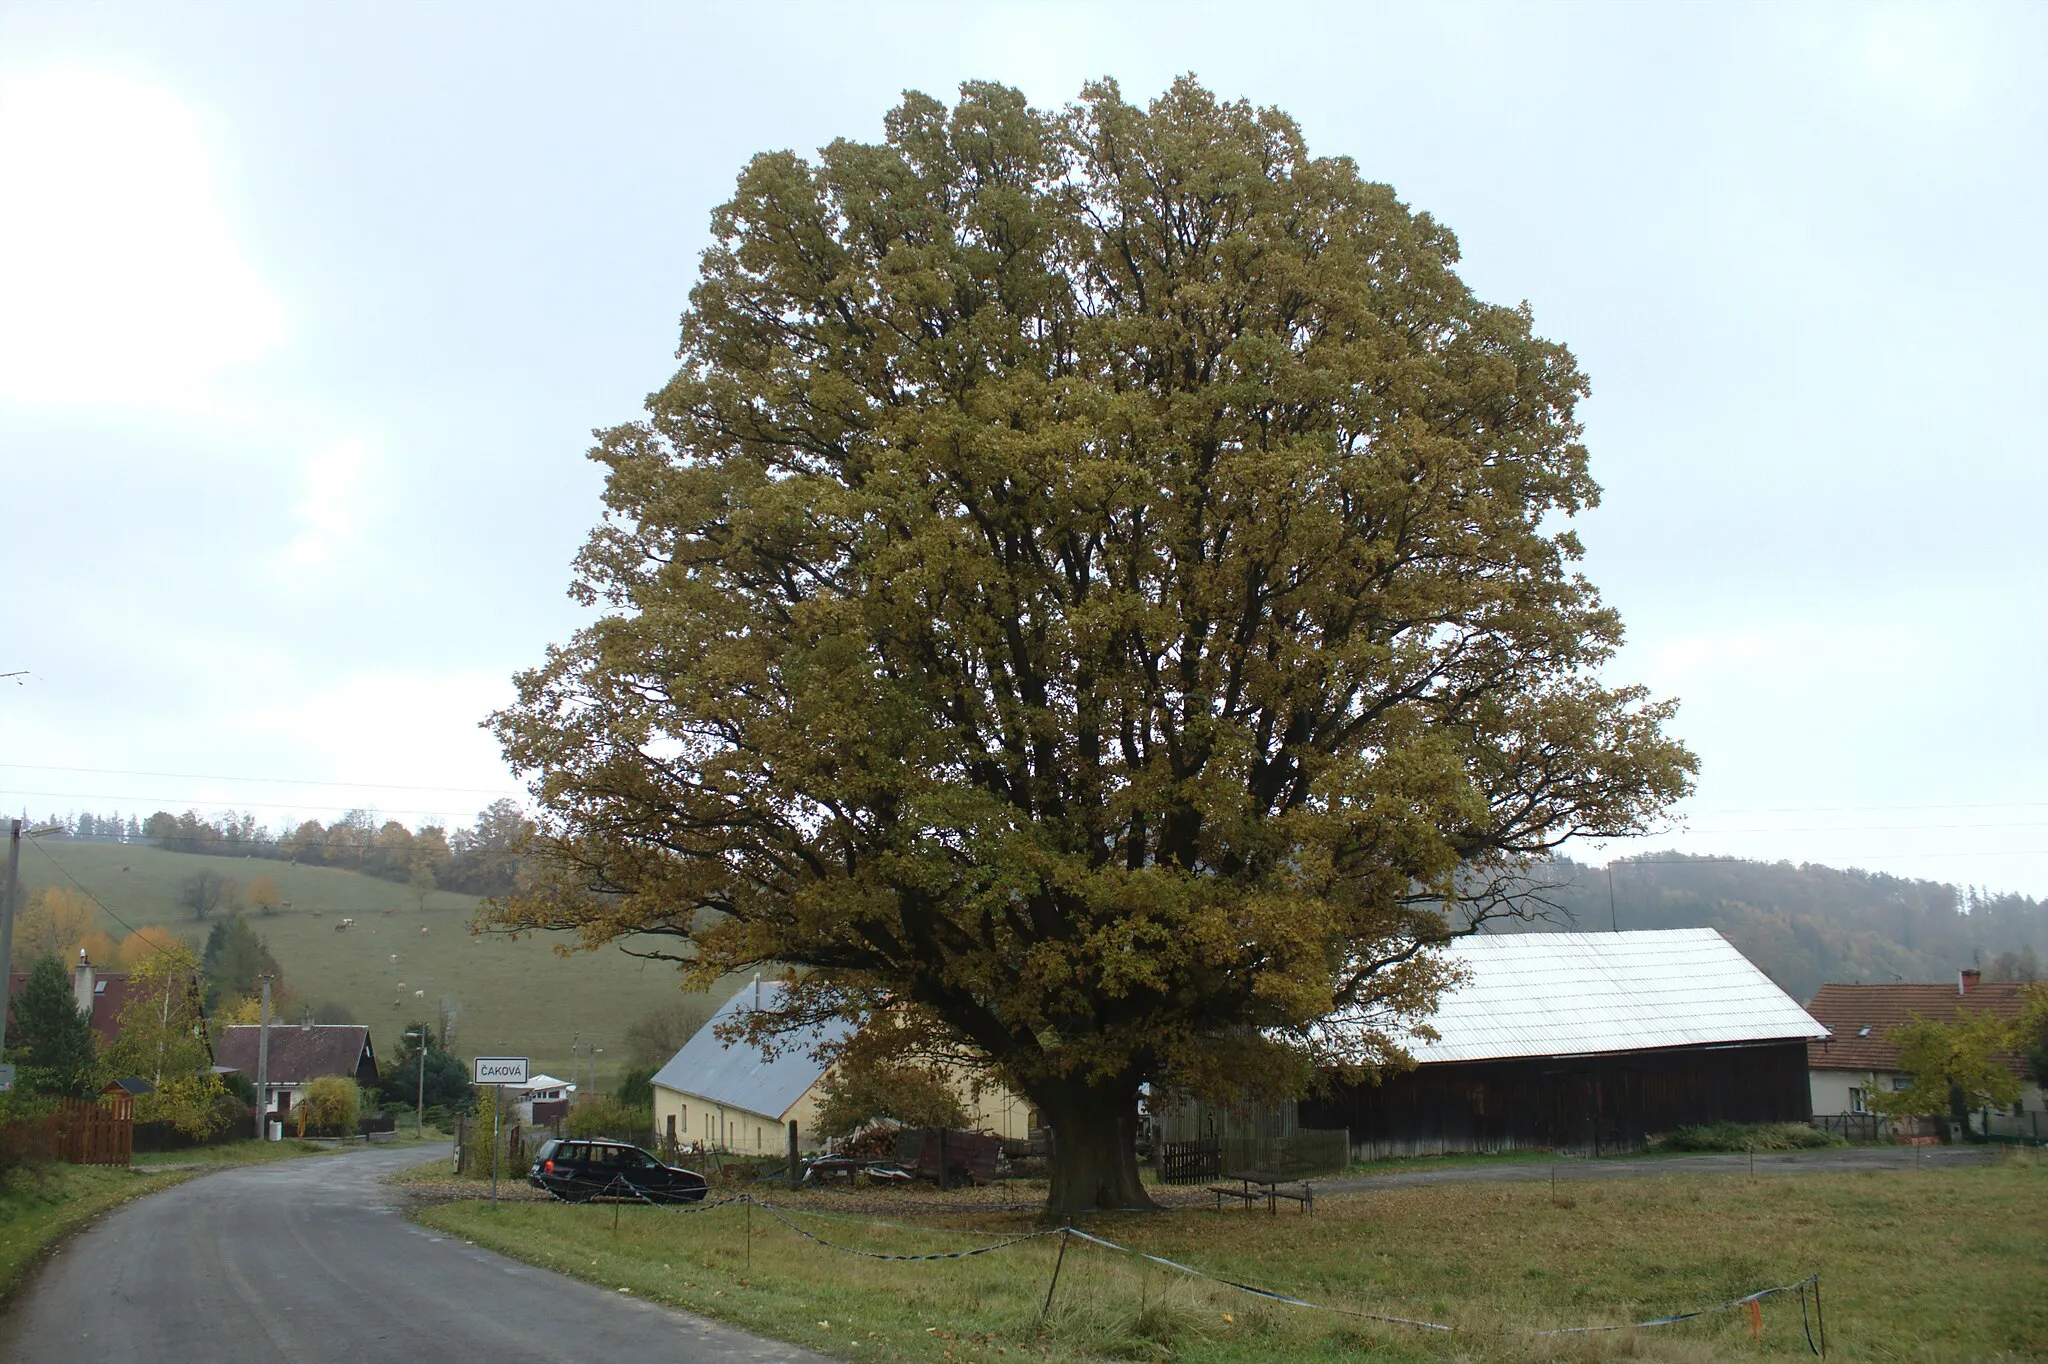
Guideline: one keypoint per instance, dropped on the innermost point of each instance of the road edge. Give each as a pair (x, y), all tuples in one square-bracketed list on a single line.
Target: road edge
[(76, 1220)]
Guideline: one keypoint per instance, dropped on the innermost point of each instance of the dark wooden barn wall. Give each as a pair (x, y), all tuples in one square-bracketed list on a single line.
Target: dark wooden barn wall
[(1585, 1104)]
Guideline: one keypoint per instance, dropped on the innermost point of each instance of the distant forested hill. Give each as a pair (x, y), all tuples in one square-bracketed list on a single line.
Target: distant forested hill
[(1808, 924)]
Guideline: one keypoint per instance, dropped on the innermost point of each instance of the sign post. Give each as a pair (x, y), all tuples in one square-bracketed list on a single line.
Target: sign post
[(497, 1072)]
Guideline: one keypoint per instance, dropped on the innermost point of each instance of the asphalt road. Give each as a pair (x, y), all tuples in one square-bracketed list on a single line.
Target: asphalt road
[(312, 1261)]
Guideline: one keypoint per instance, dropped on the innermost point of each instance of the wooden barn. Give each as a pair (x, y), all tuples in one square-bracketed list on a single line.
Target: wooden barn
[(1586, 1043)]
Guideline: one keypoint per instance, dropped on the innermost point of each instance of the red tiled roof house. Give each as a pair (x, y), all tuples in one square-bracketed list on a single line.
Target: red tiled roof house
[(1856, 1060), (100, 994)]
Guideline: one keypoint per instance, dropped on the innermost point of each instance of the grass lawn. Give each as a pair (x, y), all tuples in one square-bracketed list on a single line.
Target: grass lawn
[(38, 1206), (1916, 1266), (514, 999)]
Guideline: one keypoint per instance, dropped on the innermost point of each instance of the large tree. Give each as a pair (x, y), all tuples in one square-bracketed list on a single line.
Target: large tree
[(1098, 588)]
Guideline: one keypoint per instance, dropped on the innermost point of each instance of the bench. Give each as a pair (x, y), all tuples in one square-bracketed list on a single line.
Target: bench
[(1253, 1187)]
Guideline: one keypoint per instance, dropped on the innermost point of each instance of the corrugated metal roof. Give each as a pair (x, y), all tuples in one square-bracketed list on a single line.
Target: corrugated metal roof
[(737, 1075), (1569, 994)]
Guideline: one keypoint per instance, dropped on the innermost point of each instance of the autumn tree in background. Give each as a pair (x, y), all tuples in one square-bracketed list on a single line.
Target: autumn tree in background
[(2030, 1033), (162, 1039), (1956, 1066), (144, 943), (421, 881), (55, 922), (264, 897), (1099, 588)]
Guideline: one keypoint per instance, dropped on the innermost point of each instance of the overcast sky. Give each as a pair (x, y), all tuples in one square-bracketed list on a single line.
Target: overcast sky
[(306, 313)]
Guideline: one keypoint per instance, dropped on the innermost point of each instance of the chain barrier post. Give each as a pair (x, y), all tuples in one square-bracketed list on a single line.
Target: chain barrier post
[(1046, 1310)]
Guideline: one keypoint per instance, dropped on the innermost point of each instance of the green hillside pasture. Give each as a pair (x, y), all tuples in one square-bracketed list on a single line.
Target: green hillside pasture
[(515, 998)]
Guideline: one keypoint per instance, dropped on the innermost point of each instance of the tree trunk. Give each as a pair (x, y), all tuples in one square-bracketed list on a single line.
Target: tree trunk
[(1094, 1157)]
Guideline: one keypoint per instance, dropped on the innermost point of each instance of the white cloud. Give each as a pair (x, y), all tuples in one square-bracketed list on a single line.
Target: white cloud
[(333, 510), (1916, 55), (122, 280)]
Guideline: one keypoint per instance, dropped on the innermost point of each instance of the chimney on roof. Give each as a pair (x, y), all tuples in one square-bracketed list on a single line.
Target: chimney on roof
[(1967, 979), (82, 983)]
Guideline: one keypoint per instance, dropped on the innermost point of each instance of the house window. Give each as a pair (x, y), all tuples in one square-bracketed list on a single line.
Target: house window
[(1856, 1101), (1901, 1083)]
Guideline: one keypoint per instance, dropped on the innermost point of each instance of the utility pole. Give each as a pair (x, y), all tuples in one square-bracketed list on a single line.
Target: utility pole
[(7, 923), (419, 1112), (263, 1068), (8, 906), (497, 1107)]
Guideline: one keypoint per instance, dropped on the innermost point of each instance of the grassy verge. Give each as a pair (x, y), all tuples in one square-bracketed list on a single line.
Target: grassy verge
[(251, 1152), (1916, 1266), (254, 1152), (39, 1206)]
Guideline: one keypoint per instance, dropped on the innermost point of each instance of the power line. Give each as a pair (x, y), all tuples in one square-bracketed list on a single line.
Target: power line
[(1859, 828), (276, 781), (132, 930), (1832, 809), (165, 801)]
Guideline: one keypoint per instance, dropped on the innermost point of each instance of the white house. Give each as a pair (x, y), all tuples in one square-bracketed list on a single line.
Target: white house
[(544, 1099), (1857, 1061)]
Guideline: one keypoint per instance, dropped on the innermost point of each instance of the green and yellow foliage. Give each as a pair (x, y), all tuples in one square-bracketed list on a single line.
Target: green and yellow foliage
[(1956, 1066), (1099, 581), (161, 1039), (328, 1105)]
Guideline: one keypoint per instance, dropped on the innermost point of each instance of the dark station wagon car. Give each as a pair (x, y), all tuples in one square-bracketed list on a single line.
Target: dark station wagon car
[(578, 1170)]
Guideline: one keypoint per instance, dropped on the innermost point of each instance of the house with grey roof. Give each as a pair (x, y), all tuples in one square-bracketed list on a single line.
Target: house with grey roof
[(728, 1096), (1585, 1042), (300, 1053)]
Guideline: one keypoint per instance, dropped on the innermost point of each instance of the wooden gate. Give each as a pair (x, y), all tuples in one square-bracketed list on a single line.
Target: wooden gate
[(1184, 1162)]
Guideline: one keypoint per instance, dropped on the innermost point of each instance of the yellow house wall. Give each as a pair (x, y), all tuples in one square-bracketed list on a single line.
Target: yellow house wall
[(724, 1127), (705, 1122)]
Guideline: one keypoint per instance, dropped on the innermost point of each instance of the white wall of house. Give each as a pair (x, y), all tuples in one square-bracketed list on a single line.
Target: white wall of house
[(1848, 1091)]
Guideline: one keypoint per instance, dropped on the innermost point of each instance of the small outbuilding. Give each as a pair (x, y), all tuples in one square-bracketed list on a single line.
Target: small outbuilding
[(1585, 1043)]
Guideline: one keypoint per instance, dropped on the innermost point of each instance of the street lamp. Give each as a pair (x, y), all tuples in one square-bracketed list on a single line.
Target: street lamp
[(419, 1112), (15, 833)]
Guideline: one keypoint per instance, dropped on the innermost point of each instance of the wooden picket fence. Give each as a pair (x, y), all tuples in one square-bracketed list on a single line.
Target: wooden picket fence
[(84, 1132)]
